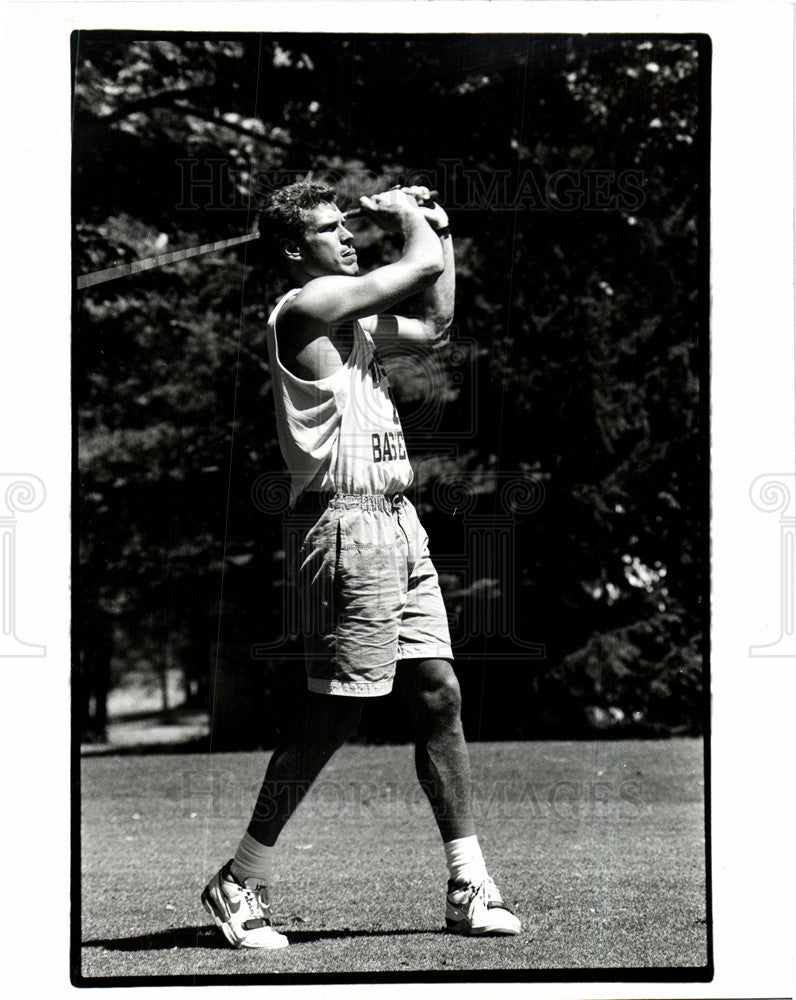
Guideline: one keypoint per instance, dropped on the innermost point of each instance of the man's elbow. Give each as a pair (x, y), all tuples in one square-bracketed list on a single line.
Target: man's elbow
[(439, 335), (431, 265), (431, 270)]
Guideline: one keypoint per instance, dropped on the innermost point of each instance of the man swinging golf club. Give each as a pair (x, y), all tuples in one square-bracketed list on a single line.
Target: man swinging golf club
[(372, 611)]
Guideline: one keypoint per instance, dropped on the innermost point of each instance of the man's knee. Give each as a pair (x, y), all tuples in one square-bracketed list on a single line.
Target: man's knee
[(440, 696)]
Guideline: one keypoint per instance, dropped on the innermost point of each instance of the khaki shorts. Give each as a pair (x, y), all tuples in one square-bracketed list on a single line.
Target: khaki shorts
[(369, 594)]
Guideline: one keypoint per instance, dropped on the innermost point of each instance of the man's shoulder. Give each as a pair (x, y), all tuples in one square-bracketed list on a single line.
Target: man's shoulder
[(296, 308), (282, 304), (289, 309)]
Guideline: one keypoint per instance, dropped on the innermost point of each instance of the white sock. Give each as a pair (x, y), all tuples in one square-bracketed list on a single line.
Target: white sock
[(254, 860), (465, 861)]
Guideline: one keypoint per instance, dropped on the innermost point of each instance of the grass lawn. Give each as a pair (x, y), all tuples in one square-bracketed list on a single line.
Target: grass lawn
[(598, 845)]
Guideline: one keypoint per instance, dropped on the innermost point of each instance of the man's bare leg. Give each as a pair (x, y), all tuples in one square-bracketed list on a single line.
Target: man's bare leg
[(328, 721), (474, 904), (441, 758), (237, 896)]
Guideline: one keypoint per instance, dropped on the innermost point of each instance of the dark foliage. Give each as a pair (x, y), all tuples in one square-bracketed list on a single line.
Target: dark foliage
[(570, 168)]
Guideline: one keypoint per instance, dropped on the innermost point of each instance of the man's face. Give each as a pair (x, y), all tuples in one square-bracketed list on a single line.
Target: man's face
[(326, 247)]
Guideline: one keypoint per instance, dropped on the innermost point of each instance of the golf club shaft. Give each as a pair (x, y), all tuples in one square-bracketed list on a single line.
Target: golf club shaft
[(174, 256)]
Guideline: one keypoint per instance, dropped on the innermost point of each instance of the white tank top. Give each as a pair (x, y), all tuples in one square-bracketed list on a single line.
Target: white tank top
[(341, 433)]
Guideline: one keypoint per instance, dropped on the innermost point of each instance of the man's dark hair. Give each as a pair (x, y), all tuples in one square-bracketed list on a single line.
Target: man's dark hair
[(282, 215)]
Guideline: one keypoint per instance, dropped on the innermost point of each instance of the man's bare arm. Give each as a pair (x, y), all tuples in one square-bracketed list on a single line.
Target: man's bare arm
[(334, 299), (435, 304), (432, 308)]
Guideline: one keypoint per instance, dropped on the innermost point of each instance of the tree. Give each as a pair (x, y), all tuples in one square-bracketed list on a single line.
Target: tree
[(574, 196)]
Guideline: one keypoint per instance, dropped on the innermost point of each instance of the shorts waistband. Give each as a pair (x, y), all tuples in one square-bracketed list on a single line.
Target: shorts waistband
[(349, 501)]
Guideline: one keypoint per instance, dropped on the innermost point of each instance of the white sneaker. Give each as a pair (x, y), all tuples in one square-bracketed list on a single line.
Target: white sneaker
[(242, 911), (479, 909)]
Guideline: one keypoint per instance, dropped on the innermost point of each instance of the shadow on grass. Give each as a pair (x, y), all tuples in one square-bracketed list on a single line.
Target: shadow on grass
[(209, 937)]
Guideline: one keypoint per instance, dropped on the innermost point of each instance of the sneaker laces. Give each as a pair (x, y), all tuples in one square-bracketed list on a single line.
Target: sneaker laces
[(471, 891), (257, 901), (492, 897), (252, 898), (488, 892)]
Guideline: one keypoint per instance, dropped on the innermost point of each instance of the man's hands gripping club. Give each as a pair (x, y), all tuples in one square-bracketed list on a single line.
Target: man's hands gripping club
[(433, 301), (390, 209)]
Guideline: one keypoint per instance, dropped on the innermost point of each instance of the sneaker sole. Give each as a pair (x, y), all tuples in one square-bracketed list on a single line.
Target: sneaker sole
[(465, 928)]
